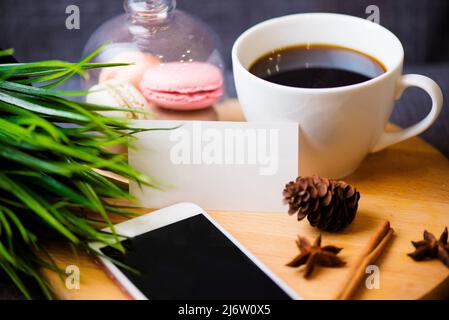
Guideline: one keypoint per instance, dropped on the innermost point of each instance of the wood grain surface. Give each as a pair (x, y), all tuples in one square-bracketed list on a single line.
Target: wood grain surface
[(407, 184)]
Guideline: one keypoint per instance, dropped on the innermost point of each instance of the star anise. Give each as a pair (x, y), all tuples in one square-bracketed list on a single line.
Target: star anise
[(431, 248), (313, 254)]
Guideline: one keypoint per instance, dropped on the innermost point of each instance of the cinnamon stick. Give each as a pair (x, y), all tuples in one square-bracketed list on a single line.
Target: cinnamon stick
[(369, 255)]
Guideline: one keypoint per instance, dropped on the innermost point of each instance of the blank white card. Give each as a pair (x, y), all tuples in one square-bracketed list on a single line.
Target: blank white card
[(228, 166)]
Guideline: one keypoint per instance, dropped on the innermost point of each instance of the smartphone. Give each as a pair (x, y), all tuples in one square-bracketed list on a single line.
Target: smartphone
[(181, 253)]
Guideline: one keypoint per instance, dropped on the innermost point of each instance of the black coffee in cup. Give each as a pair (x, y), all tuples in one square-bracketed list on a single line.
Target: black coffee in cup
[(316, 66)]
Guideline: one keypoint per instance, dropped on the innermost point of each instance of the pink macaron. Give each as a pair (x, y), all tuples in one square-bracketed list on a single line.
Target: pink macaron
[(183, 86)]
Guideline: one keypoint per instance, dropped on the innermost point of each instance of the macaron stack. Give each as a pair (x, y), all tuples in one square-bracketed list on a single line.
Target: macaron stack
[(172, 90)]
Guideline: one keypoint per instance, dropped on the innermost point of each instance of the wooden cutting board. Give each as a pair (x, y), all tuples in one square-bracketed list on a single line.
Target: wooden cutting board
[(407, 184)]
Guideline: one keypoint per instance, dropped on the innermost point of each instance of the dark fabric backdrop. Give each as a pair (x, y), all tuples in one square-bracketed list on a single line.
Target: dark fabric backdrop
[(36, 29)]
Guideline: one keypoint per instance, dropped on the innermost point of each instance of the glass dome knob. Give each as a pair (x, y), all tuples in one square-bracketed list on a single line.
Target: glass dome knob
[(150, 9)]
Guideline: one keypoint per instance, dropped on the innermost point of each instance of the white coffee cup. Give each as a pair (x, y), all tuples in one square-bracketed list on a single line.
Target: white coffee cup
[(339, 126)]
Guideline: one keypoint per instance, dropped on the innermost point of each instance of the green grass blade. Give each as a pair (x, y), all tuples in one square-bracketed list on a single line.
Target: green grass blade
[(22, 194)]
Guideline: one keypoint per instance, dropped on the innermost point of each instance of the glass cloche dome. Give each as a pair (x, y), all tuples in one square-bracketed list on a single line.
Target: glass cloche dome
[(176, 64)]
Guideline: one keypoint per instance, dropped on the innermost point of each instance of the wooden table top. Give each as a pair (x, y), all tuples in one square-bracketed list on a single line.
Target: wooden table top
[(407, 184)]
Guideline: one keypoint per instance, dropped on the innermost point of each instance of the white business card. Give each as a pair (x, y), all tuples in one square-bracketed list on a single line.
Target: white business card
[(228, 166)]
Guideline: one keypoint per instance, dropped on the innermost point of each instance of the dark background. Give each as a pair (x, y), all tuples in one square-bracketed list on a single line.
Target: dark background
[(36, 29)]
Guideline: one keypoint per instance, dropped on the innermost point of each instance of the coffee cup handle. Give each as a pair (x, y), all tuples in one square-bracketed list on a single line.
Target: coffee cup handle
[(433, 90)]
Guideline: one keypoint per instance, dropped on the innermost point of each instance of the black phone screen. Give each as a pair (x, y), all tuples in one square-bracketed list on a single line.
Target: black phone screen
[(191, 259)]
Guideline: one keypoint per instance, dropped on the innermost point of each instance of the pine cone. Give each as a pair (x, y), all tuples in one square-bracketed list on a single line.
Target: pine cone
[(328, 204)]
